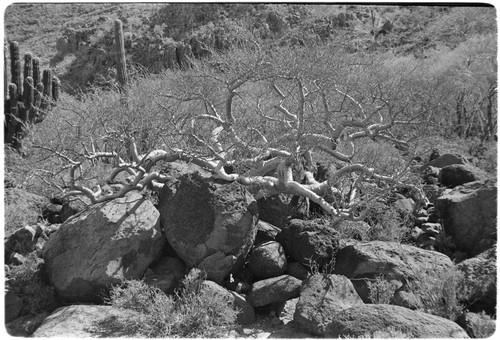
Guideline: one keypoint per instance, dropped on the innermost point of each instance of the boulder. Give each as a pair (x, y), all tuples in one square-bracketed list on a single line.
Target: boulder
[(477, 325), (103, 245), (297, 270), (366, 320), (390, 260), (448, 159), (13, 305), (321, 297), (469, 214), (22, 241), (246, 315), (166, 274), (267, 260), (458, 174), (265, 232), (210, 225), (312, 242), (274, 290), (82, 321), (480, 281), (274, 211)]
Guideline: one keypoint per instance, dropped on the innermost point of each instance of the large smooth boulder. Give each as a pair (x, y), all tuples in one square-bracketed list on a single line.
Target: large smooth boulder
[(469, 214), (321, 296), (267, 260), (274, 290), (391, 260), (312, 242), (365, 320), (82, 321), (448, 159), (480, 281), (103, 245), (458, 174), (210, 224)]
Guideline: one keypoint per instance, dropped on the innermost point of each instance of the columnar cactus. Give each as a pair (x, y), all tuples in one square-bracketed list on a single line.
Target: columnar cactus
[(29, 97), (121, 65)]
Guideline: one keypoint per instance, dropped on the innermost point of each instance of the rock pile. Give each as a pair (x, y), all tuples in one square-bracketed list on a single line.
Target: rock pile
[(262, 268)]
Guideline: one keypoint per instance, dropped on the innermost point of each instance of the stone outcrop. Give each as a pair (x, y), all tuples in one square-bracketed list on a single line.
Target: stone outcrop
[(274, 290), (321, 296), (469, 214), (103, 245), (390, 260), (210, 225), (448, 159), (309, 242), (81, 321), (365, 320), (458, 174), (267, 260), (480, 281)]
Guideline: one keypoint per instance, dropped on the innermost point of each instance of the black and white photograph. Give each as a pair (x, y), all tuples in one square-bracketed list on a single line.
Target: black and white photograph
[(250, 169)]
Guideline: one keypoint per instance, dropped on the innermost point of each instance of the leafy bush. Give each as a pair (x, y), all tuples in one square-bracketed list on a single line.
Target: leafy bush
[(190, 313)]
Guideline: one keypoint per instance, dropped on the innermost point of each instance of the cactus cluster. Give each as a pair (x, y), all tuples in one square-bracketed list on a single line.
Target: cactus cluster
[(29, 95)]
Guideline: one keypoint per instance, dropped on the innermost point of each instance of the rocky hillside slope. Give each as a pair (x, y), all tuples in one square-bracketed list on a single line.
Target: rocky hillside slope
[(76, 39)]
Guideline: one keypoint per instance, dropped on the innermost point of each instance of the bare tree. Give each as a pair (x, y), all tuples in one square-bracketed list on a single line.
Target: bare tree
[(265, 113)]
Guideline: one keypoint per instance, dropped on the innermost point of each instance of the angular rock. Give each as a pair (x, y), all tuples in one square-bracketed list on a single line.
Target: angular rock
[(246, 315), (297, 270), (267, 260), (321, 297), (448, 159), (365, 320), (480, 280), (265, 232), (391, 260), (469, 213), (210, 225), (458, 174), (309, 242), (274, 290), (165, 274), (82, 321), (103, 245)]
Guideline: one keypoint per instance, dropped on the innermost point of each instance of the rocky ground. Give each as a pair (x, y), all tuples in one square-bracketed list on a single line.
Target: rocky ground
[(350, 288)]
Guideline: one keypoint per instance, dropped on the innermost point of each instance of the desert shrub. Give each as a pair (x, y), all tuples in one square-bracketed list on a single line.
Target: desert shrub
[(439, 294), (387, 224), (38, 295), (381, 290), (189, 313)]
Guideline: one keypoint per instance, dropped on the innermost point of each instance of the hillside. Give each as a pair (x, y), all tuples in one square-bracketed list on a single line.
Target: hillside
[(202, 170), (84, 31)]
